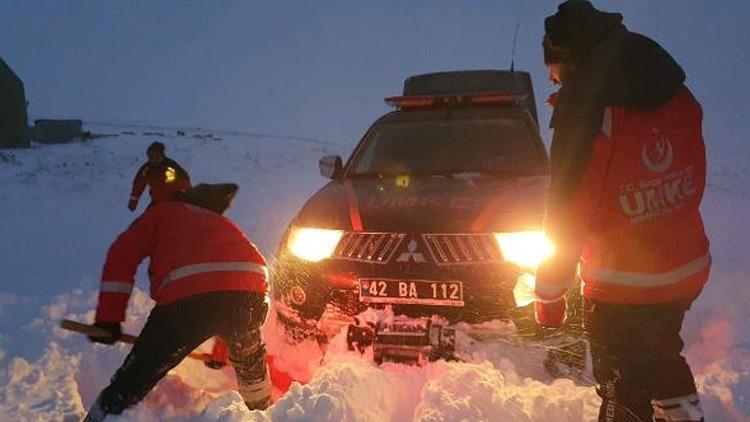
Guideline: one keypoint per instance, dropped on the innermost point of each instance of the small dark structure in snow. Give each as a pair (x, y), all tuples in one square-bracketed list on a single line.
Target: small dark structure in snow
[(57, 131), (13, 118)]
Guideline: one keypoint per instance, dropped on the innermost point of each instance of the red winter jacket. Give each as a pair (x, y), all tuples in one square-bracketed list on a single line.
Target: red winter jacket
[(628, 170), (162, 180), (192, 251), (636, 206)]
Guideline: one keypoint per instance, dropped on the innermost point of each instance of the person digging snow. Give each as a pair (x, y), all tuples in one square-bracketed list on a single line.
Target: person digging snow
[(207, 279), (161, 174), (628, 170)]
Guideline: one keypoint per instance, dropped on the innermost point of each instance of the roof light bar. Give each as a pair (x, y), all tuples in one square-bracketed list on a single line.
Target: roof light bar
[(405, 102)]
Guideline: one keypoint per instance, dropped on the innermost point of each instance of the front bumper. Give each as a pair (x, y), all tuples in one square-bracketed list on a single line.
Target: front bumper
[(328, 291)]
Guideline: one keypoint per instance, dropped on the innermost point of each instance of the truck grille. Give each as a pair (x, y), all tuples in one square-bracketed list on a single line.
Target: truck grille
[(369, 247), (470, 248)]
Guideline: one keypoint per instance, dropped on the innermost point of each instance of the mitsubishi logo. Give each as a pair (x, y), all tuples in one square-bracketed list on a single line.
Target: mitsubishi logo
[(411, 254)]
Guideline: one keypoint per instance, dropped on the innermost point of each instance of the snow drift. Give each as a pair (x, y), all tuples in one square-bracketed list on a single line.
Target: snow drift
[(62, 205)]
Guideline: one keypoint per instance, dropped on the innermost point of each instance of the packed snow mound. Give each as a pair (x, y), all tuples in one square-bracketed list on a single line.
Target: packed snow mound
[(45, 390), (62, 205), (344, 386)]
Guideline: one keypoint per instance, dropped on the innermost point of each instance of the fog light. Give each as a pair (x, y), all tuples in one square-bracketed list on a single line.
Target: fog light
[(297, 295)]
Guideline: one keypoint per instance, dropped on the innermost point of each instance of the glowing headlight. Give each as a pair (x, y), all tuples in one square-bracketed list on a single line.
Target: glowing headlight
[(525, 249), (313, 244)]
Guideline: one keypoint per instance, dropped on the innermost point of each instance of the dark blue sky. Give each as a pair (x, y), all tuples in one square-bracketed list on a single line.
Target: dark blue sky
[(322, 68)]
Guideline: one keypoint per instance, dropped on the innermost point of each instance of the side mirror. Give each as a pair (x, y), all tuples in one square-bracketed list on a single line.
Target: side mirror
[(331, 166)]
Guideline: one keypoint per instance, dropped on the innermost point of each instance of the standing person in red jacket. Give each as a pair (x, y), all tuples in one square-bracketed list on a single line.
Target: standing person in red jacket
[(162, 175), (628, 171), (207, 279)]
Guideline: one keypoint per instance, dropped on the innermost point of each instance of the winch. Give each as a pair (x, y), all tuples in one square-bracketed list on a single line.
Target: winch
[(404, 340)]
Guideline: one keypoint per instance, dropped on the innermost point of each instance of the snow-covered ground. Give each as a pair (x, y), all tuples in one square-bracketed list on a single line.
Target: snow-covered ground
[(61, 206)]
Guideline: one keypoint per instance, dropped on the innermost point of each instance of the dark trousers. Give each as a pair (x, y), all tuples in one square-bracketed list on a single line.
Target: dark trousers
[(637, 361), (174, 330)]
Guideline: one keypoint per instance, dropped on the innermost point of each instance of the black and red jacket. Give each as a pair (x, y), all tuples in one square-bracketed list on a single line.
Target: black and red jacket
[(162, 180), (628, 171), (192, 251)]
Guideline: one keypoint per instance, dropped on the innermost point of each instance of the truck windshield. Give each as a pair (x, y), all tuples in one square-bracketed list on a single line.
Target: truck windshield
[(486, 145)]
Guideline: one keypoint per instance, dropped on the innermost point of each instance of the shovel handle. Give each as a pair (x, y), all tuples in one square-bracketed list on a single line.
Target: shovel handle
[(93, 330)]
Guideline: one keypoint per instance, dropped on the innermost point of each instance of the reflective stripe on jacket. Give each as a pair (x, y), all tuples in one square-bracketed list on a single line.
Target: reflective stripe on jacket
[(192, 251)]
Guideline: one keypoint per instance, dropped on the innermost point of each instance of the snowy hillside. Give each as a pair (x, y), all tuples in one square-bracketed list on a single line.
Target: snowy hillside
[(61, 206)]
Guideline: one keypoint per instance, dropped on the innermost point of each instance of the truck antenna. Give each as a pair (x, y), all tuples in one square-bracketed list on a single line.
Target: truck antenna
[(513, 56)]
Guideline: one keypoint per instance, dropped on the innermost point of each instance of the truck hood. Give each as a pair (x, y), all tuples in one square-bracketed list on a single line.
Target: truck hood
[(459, 203)]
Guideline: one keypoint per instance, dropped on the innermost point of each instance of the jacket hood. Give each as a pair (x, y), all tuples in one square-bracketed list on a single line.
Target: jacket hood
[(645, 74), (213, 197)]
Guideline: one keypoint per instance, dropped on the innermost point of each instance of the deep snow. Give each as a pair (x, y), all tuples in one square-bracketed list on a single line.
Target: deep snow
[(61, 206)]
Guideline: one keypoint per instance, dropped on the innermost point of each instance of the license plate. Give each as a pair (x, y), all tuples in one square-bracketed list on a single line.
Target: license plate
[(411, 292)]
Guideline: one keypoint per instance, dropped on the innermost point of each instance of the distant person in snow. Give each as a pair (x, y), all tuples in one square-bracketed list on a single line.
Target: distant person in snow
[(207, 279), (162, 175), (628, 171)]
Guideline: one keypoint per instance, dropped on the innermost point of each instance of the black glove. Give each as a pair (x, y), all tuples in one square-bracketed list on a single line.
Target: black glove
[(113, 329)]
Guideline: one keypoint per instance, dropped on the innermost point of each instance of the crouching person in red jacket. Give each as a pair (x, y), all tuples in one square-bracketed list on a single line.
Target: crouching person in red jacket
[(207, 279)]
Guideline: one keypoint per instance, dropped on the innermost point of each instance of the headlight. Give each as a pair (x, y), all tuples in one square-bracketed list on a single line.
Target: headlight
[(313, 244), (525, 249)]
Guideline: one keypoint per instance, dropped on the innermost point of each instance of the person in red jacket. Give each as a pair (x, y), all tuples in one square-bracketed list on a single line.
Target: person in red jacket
[(628, 170), (207, 279), (161, 174)]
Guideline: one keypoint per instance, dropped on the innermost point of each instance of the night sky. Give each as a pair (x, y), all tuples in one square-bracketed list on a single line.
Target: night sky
[(321, 68)]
